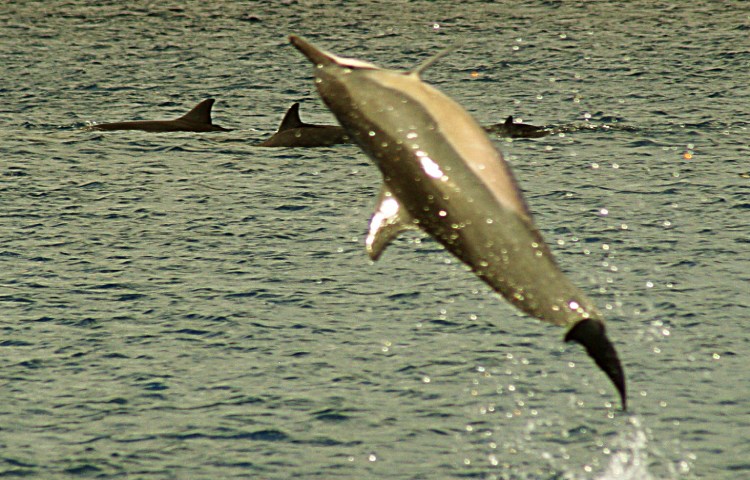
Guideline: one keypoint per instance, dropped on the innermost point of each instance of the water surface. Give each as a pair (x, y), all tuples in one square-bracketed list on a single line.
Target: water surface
[(190, 306)]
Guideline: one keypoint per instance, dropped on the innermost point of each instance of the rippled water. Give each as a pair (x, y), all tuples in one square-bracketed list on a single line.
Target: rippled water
[(189, 306)]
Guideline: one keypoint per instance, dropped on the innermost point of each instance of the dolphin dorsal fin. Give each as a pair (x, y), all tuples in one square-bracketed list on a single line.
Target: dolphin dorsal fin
[(417, 71), (291, 119), (509, 120), (389, 219), (200, 113)]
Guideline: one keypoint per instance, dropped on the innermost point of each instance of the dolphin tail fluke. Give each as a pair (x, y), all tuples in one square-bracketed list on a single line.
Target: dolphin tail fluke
[(592, 335)]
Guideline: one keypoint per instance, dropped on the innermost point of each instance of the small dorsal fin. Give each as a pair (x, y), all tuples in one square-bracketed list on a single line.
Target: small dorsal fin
[(509, 120), (291, 119), (430, 61), (200, 113)]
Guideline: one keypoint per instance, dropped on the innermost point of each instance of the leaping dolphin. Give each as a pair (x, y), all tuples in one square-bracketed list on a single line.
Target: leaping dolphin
[(196, 120), (293, 132), (443, 175)]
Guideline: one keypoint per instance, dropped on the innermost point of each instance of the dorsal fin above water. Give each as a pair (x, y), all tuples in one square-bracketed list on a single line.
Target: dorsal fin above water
[(200, 113), (291, 119), (509, 120)]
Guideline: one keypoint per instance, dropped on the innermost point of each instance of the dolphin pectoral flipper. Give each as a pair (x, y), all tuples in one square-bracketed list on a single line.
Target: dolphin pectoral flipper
[(592, 335), (386, 223)]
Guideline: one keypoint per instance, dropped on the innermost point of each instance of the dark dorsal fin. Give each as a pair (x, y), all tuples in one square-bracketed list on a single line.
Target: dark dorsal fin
[(291, 119), (509, 120), (200, 113)]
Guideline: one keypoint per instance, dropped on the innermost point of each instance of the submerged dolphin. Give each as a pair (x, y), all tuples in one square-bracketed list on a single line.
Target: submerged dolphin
[(443, 175), (196, 120), (293, 132), (517, 130)]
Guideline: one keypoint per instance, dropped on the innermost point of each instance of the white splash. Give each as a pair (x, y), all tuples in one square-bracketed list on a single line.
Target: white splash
[(630, 461)]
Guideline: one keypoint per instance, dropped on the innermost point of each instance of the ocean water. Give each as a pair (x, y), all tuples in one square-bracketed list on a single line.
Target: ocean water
[(190, 306)]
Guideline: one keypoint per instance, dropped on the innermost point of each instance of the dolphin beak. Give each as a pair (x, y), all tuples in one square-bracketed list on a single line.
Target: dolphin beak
[(591, 334), (315, 55)]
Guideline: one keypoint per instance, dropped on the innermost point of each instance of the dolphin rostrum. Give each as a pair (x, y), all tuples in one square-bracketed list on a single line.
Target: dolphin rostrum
[(293, 132), (443, 175), (196, 120)]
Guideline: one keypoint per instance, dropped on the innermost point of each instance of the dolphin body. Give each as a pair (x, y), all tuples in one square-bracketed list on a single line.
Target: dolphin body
[(196, 120), (443, 175), (293, 132), (517, 130)]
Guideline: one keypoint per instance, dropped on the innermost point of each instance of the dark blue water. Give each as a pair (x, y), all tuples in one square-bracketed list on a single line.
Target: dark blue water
[(190, 306)]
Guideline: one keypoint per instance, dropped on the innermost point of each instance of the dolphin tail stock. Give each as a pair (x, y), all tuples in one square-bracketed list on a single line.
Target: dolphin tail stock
[(591, 334)]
